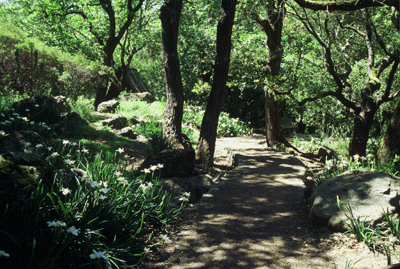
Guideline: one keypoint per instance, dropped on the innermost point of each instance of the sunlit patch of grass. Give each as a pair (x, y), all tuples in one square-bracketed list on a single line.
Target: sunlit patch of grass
[(84, 107), (141, 110), (339, 145)]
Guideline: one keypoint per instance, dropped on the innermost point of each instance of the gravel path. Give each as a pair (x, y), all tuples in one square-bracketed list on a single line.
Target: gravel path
[(256, 218)]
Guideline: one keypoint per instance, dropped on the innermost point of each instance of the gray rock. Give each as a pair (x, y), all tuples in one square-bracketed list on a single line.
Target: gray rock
[(62, 103), (108, 106), (116, 122), (177, 162), (140, 96), (133, 121), (71, 178), (43, 108), (324, 154), (57, 129), (12, 172), (20, 141), (368, 194), (74, 119), (128, 132), (23, 158), (196, 186)]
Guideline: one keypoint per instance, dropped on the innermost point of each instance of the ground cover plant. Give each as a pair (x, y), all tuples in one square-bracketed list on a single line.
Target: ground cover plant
[(108, 219), (111, 218)]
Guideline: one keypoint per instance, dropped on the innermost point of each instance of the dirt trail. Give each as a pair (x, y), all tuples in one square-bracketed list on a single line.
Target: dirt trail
[(256, 218)]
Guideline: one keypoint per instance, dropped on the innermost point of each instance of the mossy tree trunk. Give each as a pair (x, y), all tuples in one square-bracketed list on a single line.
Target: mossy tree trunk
[(173, 113), (365, 105), (110, 43), (363, 121)]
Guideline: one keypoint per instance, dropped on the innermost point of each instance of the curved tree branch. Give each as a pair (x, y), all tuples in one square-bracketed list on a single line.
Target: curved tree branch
[(385, 97), (332, 5)]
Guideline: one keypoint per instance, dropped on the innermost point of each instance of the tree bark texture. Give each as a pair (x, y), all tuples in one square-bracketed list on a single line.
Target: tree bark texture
[(272, 26), (391, 141), (332, 5), (273, 130), (208, 133), (113, 40), (364, 108), (173, 113), (365, 112)]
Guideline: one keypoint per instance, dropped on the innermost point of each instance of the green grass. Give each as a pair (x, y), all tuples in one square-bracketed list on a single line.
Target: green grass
[(85, 108), (114, 213), (109, 212), (141, 110), (113, 217)]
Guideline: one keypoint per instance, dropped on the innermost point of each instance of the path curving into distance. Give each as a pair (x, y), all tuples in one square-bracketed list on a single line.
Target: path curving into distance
[(255, 218)]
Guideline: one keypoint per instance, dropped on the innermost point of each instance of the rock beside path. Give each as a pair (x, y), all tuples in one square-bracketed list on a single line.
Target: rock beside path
[(368, 193)]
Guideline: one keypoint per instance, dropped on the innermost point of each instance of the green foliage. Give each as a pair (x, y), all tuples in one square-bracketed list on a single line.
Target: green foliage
[(31, 68), (153, 131), (232, 127), (336, 166), (348, 265), (364, 233), (196, 46), (393, 223), (158, 142), (63, 224), (142, 110), (84, 107), (11, 121)]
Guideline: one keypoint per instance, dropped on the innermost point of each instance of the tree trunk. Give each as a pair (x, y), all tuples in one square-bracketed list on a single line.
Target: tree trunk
[(272, 126), (107, 92), (113, 40), (362, 125), (208, 133), (172, 117), (272, 26), (391, 141)]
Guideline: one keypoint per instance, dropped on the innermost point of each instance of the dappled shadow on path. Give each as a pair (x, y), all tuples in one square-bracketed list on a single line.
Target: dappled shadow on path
[(255, 218)]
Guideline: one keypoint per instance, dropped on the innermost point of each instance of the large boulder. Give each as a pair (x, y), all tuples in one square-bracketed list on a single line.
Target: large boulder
[(74, 119), (22, 141), (108, 106), (140, 96), (368, 193), (325, 154), (43, 108), (196, 186), (22, 174), (128, 132), (16, 183), (116, 122), (62, 103), (176, 162), (23, 158), (72, 179)]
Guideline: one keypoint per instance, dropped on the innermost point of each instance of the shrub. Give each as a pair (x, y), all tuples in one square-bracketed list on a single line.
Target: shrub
[(32, 68)]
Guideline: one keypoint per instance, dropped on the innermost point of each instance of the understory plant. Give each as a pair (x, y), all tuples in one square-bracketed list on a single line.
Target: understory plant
[(363, 232), (107, 219), (384, 239), (338, 166)]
